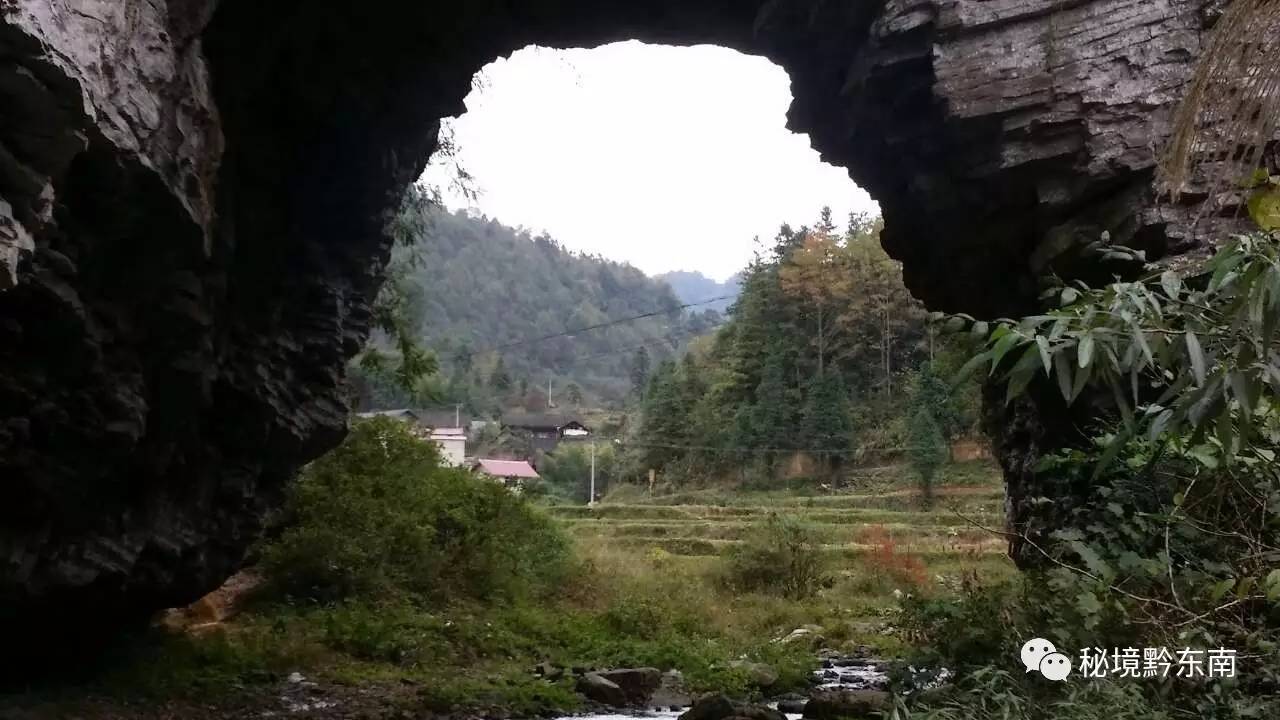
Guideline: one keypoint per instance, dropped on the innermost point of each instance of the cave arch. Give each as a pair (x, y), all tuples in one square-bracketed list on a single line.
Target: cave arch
[(194, 194)]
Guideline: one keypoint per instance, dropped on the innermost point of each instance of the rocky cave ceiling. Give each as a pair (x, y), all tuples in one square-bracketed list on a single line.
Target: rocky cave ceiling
[(193, 195)]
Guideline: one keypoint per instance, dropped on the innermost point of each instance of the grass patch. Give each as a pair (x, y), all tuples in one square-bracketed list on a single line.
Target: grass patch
[(406, 577)]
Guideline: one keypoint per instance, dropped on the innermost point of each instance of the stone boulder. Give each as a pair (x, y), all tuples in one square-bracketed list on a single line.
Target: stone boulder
[(720, 707), (792, 706), (833, 704), (627, 686), (807, 636), (760, 675), (597, 688)]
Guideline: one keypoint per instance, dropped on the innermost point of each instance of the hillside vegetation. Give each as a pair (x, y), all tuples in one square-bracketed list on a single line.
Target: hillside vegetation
[(496, 305), (825, 355), (692, 286)]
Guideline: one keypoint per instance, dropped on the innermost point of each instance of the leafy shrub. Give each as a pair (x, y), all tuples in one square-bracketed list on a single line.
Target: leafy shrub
[(567, 471), (781, 556), (633, 616), (383, 634), (380, 517)]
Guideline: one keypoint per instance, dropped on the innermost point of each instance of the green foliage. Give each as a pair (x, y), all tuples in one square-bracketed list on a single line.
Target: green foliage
[(499, 378), (1169, 516), (926, 448), (782, 556), (930, 392), (979, 634), (470, 286), (1174, 354), (567, 471), (1264, 201), (379, 517), (811, 361), (395, 358), (640, 364), (825, 419)]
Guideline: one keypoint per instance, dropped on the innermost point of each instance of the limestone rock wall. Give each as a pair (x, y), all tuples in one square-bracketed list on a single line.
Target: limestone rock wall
[(193, 195)]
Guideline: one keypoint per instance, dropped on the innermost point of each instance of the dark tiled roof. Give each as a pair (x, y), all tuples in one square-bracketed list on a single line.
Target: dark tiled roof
[(442, 418), (548, 421)]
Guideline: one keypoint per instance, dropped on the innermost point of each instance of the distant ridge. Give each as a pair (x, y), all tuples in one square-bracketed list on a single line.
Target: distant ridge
[(692, 286)]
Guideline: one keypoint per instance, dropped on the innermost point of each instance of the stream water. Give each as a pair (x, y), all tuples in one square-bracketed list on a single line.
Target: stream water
[(836, 673)]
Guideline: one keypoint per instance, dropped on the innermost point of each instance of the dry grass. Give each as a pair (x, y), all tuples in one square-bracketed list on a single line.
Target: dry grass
[(664, 548), (1231, 108)]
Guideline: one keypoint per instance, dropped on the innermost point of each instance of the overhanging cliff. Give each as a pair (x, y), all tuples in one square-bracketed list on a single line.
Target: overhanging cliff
[(193, 195)]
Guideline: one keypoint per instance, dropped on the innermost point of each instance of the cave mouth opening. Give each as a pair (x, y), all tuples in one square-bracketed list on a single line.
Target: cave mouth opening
[(279, 137), (669, 158)]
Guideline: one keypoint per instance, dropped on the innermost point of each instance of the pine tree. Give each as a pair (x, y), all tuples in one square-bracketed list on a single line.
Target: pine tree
[(575, 394), (499, 379), (826, 224), (932, 394), (927, 450), (773, 413), (640, 364), (663, 421), (826, 424)]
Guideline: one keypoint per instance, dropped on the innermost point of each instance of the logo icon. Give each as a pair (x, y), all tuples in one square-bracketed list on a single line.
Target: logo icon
[(1040, 655)]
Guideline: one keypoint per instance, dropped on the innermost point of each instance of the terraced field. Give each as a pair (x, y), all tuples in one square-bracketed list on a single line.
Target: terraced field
[(881, 513)]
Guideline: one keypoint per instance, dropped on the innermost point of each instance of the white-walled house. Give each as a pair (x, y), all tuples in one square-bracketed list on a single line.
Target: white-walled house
[(439, 427), (452, 443)]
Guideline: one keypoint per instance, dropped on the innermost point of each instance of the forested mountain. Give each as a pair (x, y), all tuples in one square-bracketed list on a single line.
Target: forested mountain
[(825, 353), (495, 305), (694, 287)]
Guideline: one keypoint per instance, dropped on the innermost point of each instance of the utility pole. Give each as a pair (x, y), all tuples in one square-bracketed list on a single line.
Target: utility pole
[(548, 392), (591, 499), (457, 415)]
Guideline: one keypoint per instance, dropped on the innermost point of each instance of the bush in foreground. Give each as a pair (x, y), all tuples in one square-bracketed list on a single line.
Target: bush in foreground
[(782, 556), (379, 517)]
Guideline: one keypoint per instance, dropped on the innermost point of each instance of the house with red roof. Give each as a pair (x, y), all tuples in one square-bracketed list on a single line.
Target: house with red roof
[(512, 473)]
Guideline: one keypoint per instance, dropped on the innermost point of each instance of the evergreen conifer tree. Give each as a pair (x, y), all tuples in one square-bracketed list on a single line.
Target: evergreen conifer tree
[(499, 379), (926, 449), (826, 424)]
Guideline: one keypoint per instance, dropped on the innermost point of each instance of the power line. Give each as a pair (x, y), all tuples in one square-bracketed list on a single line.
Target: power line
[(655, 341), (766, 450), (589, 328)]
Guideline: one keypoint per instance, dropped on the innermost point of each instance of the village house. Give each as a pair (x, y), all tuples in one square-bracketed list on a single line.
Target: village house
[(445, 428), (452, 443), (544, 433), (512, 473)]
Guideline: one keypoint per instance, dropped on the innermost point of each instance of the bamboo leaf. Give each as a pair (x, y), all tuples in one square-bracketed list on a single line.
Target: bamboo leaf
[(973, 364), (1159, 425), (1002, 348), (1110, 453), (1226, 432), (1082, 379), (1197, 357), (1063, 368), (1020, 376), (1141, 339), (1042, 344), (1240, 389), (1085, 352), (1126, 412)]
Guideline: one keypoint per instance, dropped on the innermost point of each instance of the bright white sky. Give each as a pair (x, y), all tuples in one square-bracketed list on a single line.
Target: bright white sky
[(668, 158)]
